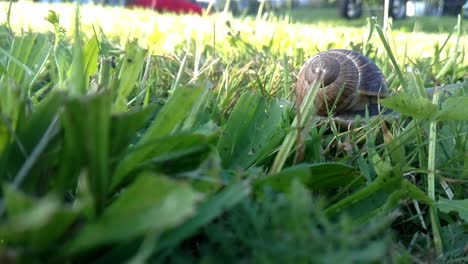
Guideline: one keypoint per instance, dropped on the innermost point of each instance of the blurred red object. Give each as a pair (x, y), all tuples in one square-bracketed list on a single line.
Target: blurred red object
[(174, 6)]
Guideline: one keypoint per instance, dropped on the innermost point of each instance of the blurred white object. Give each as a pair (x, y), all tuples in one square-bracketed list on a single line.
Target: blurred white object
[(415, 8)]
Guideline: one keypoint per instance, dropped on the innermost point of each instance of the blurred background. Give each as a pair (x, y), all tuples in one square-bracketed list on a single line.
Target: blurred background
[(350, 9)]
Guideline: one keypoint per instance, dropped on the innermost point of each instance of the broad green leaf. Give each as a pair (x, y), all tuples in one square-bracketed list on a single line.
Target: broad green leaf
[(86, 123), (168, 148), (36, 224), (90, 57), (300, 199), (208, 210), (163, 149), (414, 106), (30, 132), (181, 103), (124, 127), (322, 176), (454, 237), (169, 118), (254, 129), (454, 108), (152, 203), (16, 202), (129, 73), (459, 206), (63, 60)]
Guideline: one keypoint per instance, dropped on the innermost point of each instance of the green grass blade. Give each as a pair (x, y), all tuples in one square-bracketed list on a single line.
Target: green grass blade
[(417, 107), (459, 206), (21, 50), (27, 58), (384, 40), (179, 106), (14, 61), (451, 63), (253, 130), (86, 123), (77, 79), (124, 128), (90, 57), (317, 177), (380, 196), (307, 110), (431, 178), (129, 74)]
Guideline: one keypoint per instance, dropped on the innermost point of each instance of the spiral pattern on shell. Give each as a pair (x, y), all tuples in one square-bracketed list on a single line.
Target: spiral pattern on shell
[(348, 76)]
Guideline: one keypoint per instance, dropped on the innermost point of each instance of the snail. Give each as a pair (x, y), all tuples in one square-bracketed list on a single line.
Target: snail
[(350, 82)]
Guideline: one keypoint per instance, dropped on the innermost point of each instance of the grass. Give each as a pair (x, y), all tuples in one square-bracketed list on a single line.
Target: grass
[(131, 136)]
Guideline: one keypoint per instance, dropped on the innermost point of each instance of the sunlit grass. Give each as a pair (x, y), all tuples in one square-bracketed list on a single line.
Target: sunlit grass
[(166, 33)]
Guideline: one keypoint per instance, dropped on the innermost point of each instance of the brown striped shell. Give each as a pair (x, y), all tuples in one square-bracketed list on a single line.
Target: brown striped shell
[(349, 77)]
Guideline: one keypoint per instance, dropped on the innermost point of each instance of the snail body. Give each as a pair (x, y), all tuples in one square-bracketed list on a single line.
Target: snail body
[(350, 82)]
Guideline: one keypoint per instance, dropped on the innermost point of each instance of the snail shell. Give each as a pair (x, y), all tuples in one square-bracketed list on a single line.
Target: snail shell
[(349, 77)]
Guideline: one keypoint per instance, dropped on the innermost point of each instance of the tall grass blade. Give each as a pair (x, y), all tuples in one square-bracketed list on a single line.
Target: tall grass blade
[(90, 57), (77, 79), (86, 123), (303, 118), (389, 51), (451, 63), (129, 74), (431, 178), (14, 62)]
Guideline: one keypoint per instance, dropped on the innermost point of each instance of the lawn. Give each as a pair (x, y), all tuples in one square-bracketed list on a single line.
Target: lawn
[(132, 136)]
